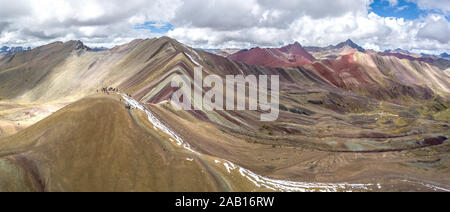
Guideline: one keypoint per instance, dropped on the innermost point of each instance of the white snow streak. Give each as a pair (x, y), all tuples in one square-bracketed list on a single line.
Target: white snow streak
[(193, 60), (158, 124), (435, 188)]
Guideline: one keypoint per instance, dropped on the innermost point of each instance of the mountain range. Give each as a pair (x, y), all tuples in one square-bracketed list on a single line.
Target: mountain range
[(445, 55), (295, 55), (75, 119), (291, 55), (10, 50), (333, 52)]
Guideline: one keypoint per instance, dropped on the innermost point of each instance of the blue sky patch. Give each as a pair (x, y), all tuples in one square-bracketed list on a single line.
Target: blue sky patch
[(404, 9), (155, 27)]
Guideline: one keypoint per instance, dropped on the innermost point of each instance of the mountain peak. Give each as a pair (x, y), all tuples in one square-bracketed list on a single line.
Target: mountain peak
[(296, 46), (169, 40), (296, 43), (349, 41), (351, 44), (77, 44)]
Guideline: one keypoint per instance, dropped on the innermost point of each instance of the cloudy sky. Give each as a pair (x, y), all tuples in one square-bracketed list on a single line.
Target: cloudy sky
[(415, 25)]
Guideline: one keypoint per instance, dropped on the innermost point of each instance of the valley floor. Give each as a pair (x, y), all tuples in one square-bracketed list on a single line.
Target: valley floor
[(15, 116)]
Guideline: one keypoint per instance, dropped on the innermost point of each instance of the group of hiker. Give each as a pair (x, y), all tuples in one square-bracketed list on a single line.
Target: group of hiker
[(111, 89), (108, 89)]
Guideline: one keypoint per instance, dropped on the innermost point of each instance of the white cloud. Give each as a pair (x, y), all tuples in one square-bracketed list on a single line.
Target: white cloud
[(96, 22), (402, 8), (436, 28), (221, 23), (392, 3), (371, 46), (437, 5)]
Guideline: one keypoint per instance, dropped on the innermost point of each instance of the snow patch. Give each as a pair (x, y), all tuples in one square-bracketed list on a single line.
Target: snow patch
[(435, 188), (290, 186), (157, 124), (193, 60)]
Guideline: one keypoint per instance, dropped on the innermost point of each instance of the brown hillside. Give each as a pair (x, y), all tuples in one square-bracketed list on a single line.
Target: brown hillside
[(96, 145)]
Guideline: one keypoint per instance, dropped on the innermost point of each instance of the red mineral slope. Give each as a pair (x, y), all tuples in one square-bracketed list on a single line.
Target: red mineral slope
[(382, 77), (289, 56)]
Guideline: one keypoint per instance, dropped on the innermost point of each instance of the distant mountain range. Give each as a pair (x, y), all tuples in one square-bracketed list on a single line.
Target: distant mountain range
[(397, 51), (405, 52), (98, 49), (290, 55), (333, 52), (6, 50), (442, 61), (296, 55), (10, 50), (222, 52), (445, 55)]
